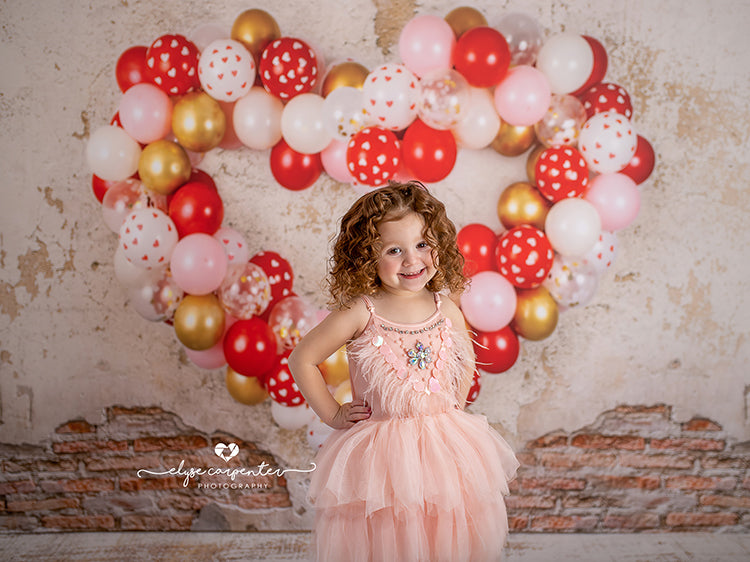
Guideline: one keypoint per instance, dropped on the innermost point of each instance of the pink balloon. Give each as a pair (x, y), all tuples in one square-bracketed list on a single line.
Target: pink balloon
[(333, 158), (523, 96), (616, 198), (490, 302), (146, 112), (426, 43), (199, 264)]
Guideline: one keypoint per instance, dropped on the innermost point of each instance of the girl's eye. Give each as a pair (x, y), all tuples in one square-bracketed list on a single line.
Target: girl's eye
[(394, 251), (423, 245)]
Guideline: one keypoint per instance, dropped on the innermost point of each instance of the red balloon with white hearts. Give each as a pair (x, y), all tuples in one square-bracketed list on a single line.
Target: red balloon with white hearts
[(288, 67), (280, 384), (373, 156), (147, 238), (524, 256), (607, 142), (390, 96), (279, 273), (607, 96), (172, 64), (226, 70), (561, 172)]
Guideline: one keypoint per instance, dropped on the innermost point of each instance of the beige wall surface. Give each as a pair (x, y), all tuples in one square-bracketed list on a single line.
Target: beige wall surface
[(671, 318)]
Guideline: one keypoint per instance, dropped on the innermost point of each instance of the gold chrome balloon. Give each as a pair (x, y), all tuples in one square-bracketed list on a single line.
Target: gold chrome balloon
[(199, 321), (347, 73), (245, 390), (531, 162), (255, 29), (536, 314), (335, 369), (343, 392), (464, 18), (512, 140), (198, 122), (521, 203), (164, 166)]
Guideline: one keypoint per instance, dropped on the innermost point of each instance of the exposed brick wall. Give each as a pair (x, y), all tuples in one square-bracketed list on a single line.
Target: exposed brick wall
[(85, 477), (634, 469)]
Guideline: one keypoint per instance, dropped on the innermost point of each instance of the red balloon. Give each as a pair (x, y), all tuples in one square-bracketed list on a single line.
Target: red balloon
[(131, 67), (496, 351), (288, 67), (373, 156), (642, 163), (477, 243), (279, 273), (294, 170), (561, 172), (476, 386), (100, 186), (172, 64), (606, 96), (482, 56), (429, 154), (250, 347), (196, 207), (202, 177), (600, 65), (524, 256), (280, 383)]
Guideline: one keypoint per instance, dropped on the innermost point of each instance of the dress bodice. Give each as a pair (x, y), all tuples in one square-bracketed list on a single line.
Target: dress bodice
[(403, 370)]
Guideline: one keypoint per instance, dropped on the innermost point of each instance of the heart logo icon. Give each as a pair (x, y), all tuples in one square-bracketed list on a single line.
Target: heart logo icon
[(226, 451)]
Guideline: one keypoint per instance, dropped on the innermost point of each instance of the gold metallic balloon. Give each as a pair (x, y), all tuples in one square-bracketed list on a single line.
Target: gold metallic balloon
[(335, 369), (521, 203), (536, 314), (343, 392), (255, 29), (199, 321), (347, 73), (246, 390), (465, 18), (513, 140), (198, 122), (164, 166), (531, 162)]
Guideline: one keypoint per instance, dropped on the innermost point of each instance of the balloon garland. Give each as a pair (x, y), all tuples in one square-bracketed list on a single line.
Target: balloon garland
[(460, 84)]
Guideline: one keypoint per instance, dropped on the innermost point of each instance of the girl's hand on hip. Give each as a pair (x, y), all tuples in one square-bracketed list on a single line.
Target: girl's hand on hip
[(350, 413)]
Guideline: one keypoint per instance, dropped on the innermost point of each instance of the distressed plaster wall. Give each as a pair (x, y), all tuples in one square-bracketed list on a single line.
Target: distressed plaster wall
[(669, 324)]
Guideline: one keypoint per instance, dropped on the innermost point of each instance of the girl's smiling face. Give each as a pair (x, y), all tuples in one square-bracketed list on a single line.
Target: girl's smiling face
[(406, 263)]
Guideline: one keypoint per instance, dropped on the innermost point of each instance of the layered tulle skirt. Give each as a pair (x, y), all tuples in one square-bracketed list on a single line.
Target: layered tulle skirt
[(427, 488)]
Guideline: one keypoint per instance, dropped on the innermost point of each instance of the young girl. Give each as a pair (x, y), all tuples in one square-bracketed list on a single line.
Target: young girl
[(408, 475)]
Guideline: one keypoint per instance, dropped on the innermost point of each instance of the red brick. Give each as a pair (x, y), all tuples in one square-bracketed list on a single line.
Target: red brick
[(723, 461), (577, 460), (156, 522), (532, 483), (175, 443), (648, 482), (18, 523), (657, 409), (701, 519), (596, 441), (578, 501), (530, 502), (726, 501), (142, 484), (263, 501), (564, 523), (746, 483), (76, 426), (83, 485), (518, 522), (89, 446), (554, 439), (689, 482), (43, 465), (50, 504), (526, 459), (17, 487), (688, 444), (636, 460), (632, 521), (89, 522), (701, 424), (122, 463), (115, 411)]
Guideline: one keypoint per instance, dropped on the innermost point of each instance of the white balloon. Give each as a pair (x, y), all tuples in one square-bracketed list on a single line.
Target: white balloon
[(317, 433), (302, 124), (607, 142), (130, 275), (257, 119), (572, 226), (342, 112), (112, 154), (390, 95), (291, 417), (481, 124), (566, 59)]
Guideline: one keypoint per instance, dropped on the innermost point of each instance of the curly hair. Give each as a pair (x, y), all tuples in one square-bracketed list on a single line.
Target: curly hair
[(356, 250)]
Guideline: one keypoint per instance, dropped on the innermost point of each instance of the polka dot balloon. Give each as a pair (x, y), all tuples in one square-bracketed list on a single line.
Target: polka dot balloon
[(226, 70), (171, 64), (561, 172), (524, 256), (147, 238)]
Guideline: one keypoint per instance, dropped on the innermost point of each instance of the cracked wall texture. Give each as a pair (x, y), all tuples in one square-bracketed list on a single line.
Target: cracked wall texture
[(669, 324)]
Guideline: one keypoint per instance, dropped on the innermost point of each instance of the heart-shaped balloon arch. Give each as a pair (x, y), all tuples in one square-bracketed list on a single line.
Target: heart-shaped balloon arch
[(460, 84)]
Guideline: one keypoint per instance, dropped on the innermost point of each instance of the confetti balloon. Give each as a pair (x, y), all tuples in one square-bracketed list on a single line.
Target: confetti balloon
[(245, 291), (288, 67), (171, 64), (226, 70), (373, 156), (443, 99), (571, 282), (290, 319), (524, 35), (607, 142), (148, 238), (122, 197), (524, 256), (561, 172), (157, 298), (390, 96), (562, 122)]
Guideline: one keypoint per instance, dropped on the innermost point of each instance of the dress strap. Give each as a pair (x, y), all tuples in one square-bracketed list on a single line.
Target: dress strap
[(438, 302), (368, 304)]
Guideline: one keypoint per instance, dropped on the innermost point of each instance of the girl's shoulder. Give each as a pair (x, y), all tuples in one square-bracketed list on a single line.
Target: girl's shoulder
[(451, 310)]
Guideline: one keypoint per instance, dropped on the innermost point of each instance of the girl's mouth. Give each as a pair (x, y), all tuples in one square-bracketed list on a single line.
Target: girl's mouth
[(412, 275)]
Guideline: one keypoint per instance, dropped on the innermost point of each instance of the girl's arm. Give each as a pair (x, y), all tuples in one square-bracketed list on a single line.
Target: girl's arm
[(459, 324), (317, 345)]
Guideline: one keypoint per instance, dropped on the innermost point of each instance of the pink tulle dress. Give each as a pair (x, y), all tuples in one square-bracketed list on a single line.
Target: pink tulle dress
[(420, 480)]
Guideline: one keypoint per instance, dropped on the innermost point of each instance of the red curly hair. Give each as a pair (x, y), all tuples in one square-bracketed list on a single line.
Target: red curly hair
[(356, 250)]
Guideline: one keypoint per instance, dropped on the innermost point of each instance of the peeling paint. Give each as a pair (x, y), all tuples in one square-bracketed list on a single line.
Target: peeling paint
[(389, 21)]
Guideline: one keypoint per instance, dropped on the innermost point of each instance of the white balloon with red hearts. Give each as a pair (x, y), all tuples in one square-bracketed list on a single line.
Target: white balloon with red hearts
[(291, 417), (281, 386), (317, 433), (390, 95), (604, 252), (226, 70), (607, 142), (234, 244), (147, 238)]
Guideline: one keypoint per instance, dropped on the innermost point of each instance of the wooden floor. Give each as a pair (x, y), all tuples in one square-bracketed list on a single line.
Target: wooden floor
[(197, 546)]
